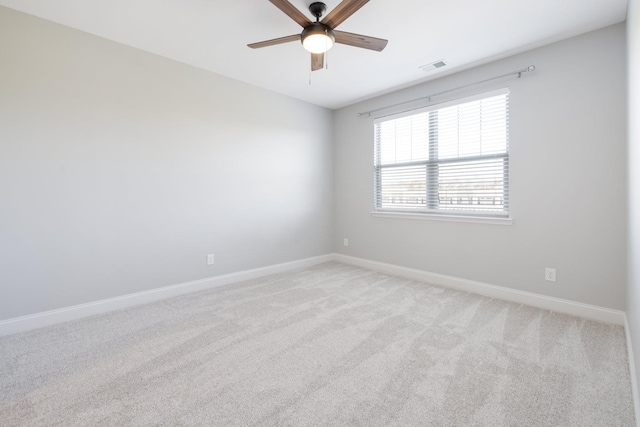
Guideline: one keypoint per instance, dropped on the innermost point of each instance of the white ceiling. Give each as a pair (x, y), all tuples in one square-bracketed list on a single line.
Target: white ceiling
[(213, 34)]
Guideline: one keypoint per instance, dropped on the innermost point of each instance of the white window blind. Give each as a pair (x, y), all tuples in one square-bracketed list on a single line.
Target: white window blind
[(447, 159)]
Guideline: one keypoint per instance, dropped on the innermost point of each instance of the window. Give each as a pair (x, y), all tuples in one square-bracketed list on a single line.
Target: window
[(449, 159)]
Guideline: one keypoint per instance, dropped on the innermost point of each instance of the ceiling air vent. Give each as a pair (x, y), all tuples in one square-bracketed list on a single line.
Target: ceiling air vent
[(433, 65)]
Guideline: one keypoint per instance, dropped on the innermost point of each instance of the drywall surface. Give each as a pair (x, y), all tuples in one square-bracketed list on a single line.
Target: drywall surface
[(567, 171), (633, 76), (121, 170)]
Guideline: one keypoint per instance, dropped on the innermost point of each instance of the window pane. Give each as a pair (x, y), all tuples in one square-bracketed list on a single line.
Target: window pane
[(473, 128), (403, 187), (403, 140), (472, 185)]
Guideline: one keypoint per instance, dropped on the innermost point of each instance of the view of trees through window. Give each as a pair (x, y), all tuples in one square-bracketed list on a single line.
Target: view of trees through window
[(453, 159)]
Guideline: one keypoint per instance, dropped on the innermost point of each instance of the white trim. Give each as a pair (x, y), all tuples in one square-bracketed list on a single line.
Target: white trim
[(438, 217), (593, 312), (47, 318), (632, 372)]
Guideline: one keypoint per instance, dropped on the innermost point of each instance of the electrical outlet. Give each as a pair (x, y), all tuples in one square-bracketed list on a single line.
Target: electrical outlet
[(346, 241), (210, 259), (550, 274)]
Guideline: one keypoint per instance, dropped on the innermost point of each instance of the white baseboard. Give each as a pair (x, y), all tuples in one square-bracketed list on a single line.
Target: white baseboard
[(632, 372), (528, 298), (25, 323), (47, 318)]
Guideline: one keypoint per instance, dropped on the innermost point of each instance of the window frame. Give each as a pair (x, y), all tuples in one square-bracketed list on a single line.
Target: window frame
[(431, 210)]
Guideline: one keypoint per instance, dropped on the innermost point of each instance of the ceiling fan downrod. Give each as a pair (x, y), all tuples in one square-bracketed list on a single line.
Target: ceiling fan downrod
[(317, 9)]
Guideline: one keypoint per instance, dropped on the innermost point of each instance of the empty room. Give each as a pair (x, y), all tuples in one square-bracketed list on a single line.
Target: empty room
[(296, 213)]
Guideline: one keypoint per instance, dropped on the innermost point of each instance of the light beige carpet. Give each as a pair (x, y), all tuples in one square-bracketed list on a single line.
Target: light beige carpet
[(329, 345)]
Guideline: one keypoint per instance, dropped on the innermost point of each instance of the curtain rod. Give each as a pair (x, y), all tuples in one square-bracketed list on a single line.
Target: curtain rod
[(428, 97)]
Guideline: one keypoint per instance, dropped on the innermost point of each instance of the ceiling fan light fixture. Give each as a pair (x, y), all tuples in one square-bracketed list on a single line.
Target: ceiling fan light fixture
[(320, 36), (317, 38)]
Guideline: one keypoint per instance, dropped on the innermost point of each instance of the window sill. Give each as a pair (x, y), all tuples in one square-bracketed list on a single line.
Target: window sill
[(447, 218)]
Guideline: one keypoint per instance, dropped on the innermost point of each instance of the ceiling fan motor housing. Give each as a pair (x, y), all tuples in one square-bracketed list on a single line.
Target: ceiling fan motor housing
[(318, 28)]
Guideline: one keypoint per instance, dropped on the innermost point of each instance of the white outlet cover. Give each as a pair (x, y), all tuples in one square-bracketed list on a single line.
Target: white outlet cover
[(210, 259), (550, 274)]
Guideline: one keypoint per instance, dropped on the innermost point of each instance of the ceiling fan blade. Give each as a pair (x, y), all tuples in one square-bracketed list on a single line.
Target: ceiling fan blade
[(287, 39), (317, 61), (358, 40), (342, 11), (292, 12)]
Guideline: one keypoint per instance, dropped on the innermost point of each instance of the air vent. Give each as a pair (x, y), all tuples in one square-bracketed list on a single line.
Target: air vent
[(433, 65)]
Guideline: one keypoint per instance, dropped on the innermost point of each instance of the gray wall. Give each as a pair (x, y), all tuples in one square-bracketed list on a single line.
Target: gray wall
[(633, 75), (121, 170), (568, 180)]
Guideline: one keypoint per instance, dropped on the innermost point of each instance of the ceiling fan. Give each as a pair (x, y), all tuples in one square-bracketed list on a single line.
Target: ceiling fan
[(318, 37)]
